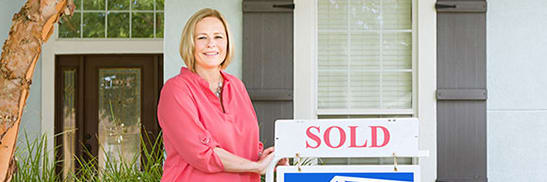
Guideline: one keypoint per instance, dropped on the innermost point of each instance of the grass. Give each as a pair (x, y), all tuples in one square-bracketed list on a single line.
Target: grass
[(34, 164)]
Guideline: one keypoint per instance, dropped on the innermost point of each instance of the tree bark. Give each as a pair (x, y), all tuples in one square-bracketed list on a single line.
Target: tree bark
[(31, 27)]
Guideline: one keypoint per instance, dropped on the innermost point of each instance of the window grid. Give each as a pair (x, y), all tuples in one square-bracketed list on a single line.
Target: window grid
[(349, 109), (81, 11)]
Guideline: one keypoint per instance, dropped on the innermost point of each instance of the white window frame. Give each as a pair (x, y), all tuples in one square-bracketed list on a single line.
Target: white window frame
[(80, 11), (92, 46), (424, 73), (411, 111)]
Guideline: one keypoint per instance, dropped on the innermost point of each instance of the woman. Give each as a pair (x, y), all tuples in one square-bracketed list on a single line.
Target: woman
[(210, 129)]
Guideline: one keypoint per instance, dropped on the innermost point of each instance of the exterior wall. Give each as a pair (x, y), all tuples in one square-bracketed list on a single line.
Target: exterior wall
[(31, 115), (517, 107), (178, 12)]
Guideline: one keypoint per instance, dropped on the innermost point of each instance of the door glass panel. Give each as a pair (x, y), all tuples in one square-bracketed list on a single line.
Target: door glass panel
[(69, 121), (119, 116)]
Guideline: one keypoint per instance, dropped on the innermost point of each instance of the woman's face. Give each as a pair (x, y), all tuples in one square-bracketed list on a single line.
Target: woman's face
[(210, 43)]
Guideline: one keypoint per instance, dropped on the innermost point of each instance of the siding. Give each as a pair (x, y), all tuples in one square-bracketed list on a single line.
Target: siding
[(517, 107)]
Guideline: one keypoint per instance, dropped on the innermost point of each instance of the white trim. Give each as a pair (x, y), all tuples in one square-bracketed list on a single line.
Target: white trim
[(427, 84), (424, 78), (60, 47), (305, 76), (365, 112), (366, 31), (118, 11)]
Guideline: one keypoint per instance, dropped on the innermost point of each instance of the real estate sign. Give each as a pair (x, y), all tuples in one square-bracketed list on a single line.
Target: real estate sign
[(347, 138), (395, 137)]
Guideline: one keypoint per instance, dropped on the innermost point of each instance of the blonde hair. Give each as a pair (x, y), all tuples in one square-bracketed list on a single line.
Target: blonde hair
[(187, 44)]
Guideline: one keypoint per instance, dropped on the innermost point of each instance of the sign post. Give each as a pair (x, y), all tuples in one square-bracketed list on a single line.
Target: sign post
[(346, 138)]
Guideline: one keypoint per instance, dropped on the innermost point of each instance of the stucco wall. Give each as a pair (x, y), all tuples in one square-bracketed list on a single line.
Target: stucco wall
[(177, 13), (517, 83), (31, 114)]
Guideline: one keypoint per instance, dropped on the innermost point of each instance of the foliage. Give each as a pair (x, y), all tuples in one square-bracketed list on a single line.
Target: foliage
[(34, 164)]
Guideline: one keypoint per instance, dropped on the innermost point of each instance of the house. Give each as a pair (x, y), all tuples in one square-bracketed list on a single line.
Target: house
[(472, 74)]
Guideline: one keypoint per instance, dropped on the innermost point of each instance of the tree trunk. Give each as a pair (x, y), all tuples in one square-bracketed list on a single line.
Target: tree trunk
[(31, 27)]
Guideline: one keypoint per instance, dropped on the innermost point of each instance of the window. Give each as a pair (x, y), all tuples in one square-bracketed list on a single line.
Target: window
[(114, 19), (365, 57), (365, 63)]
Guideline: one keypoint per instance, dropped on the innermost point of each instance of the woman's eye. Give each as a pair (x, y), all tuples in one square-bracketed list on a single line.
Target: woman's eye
[(201, 38), (219, 37)]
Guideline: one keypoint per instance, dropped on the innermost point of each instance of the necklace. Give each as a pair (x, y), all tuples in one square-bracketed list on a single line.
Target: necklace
[(219, 88)]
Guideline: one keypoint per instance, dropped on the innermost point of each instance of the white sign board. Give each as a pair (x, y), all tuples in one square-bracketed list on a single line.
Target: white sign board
[(347, 138), (396, 137), (369, 173)]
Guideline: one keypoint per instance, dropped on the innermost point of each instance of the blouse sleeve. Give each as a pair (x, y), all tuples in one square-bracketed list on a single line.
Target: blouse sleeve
[(178, 118)]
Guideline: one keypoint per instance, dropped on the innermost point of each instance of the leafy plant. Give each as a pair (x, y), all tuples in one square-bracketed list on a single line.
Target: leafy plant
[(34, 164)]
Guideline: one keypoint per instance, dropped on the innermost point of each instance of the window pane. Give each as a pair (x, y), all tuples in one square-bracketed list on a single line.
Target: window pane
[(365, 89), (119, 115), (397, 50), (365, 15), (118, 4), (333, 89), (93, 25), (159, 25), (365, 51), (333, 48), (159, 4), (143, 4), (143, 25), (397, 90), (78, 5), (69, 121), (332, 15), (69, 26), (333, 70), (93, 4), (118, 25), (397, 14)]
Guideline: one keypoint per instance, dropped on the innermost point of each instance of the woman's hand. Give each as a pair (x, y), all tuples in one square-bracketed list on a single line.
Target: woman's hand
[(264, 161), (269, 152)]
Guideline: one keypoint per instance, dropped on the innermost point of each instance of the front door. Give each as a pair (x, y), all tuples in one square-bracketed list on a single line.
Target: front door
[(104, 104)]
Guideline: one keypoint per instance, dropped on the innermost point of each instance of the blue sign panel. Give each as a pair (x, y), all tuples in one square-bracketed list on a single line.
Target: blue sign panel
[(349, 177)]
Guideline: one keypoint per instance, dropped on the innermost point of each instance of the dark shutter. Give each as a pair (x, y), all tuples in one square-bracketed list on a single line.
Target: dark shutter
[(268, 61), (461, 91)]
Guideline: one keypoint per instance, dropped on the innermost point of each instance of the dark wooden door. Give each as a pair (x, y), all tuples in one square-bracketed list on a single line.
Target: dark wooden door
[(104, 104), (268, 61), (461, 91)]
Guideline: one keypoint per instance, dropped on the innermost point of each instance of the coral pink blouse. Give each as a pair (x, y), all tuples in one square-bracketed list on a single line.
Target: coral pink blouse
[(194, 123)]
